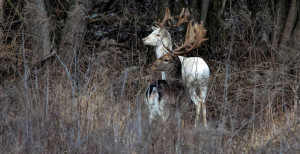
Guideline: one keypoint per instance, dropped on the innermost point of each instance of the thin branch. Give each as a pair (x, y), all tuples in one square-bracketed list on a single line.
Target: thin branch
[(16, 10)]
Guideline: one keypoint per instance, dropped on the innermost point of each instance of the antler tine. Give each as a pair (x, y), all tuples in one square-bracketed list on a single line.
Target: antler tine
[(195, 34), (166, 17), (194, 37), (183, 17), (189, 37), (201, 32)]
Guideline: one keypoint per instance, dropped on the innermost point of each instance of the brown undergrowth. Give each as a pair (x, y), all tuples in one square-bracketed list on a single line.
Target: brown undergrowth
[(96, 104)]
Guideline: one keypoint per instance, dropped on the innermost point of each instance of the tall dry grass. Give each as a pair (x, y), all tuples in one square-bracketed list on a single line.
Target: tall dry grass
[(96, 105)]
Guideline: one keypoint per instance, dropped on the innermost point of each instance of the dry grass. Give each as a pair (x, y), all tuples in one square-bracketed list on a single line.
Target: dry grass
[(98, 106)]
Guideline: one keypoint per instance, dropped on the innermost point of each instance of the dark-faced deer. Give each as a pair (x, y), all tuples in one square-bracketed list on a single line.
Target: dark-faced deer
[(163, 97), (194, 70)]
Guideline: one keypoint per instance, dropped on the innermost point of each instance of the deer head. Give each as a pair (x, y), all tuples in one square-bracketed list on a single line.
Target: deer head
[(160, 33), (157, 37), (170, 63), (193, 39)]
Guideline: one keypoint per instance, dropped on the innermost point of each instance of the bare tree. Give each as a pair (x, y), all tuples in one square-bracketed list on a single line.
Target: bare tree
[(38, 27), (290, 33), (279, 16), (75, 26), (295, 38), (290, 22), (1, 19), (204, 10)]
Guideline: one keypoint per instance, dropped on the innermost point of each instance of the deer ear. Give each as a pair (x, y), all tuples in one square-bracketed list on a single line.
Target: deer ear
[(153, 28)]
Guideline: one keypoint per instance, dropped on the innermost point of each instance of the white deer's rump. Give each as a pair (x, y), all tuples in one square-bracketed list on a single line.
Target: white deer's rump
[(194, 68), (196, 72)]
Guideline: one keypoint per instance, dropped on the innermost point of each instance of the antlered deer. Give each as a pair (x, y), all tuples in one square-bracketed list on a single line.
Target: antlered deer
[(194, 70)]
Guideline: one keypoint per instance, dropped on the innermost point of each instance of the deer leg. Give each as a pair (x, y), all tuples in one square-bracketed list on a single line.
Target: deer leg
[(204, 113), (163, 75), (203, 96), (198, 108), (150, 118), (196, 100)]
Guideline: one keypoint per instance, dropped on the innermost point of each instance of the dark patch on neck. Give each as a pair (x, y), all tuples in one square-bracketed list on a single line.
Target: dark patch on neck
[(176, 73)]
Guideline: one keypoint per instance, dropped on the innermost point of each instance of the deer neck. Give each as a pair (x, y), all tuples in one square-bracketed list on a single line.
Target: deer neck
[(160, 49), (175, 74)]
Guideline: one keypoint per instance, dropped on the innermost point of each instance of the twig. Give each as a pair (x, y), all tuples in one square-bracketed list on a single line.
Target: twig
[(40, 63), (62, 6), (17, 12)]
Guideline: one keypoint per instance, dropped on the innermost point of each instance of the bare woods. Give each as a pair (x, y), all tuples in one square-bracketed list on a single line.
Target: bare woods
[(73, 77)]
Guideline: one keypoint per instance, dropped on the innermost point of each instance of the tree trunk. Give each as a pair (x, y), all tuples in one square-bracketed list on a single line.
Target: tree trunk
[(38, 27), (295, 38), (294, 44), (258, 5), (205, 5), (162, 9), (1, 20), (194, 8), (289, 25), (74, 30), (279, 16)]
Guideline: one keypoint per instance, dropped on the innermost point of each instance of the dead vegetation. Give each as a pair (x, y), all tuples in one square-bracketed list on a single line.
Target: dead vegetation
[(92, 99)]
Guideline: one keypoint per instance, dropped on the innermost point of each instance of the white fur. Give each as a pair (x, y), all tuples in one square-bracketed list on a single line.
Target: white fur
[(194, 69), (155, 106)]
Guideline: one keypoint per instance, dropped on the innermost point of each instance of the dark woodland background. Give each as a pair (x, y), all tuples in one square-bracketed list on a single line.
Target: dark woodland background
[(73, 75)]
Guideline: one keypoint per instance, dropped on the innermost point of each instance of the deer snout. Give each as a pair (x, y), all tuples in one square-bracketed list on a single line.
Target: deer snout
[(144, 39), (153, 67)]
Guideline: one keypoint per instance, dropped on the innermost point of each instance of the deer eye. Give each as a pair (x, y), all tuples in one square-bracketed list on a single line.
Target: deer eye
[(166, 60), (158, 35)]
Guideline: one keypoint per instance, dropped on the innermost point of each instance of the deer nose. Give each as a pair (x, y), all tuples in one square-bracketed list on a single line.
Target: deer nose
[(153, 67), (143, 39)]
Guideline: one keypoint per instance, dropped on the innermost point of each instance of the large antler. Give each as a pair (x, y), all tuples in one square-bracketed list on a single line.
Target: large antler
[(194, 37)]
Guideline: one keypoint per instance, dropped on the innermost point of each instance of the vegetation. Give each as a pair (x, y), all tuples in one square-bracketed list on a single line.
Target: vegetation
[(73, 76)]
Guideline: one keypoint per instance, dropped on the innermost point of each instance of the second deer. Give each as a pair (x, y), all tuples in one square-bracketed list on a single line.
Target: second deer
[(165, 97)]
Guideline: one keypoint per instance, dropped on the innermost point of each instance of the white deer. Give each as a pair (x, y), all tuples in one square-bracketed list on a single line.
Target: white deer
[(195, 71)]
